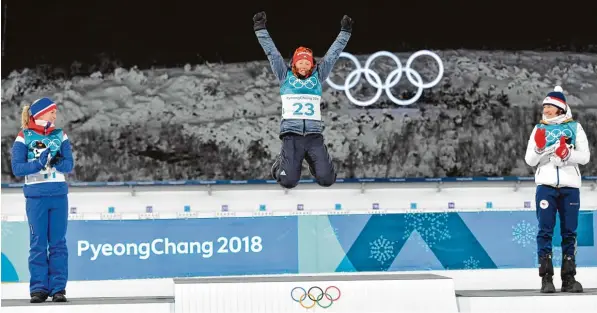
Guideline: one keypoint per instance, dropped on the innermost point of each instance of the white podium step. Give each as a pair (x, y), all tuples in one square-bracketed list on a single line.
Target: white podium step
[(488, 301), (322, 293), (129, 288), (92, 305), (491, 279)]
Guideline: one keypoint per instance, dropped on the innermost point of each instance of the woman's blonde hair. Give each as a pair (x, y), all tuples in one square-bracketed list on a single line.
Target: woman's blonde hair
[(25, 116)]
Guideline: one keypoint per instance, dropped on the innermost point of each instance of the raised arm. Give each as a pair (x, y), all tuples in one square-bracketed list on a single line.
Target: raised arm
[(326, 65), (276, 60)]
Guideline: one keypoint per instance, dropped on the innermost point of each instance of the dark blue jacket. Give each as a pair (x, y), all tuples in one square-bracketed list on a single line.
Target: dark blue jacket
[(281, 70)]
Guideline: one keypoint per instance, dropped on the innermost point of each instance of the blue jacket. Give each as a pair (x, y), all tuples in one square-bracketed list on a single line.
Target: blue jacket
[(281, 69), (40, 182)]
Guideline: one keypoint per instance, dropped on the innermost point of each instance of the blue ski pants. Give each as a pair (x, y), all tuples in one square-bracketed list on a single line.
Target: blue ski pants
[(564, 201), (48, 255)]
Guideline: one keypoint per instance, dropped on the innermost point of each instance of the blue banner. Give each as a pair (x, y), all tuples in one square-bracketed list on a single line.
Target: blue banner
[(101, 250), (131, 249)]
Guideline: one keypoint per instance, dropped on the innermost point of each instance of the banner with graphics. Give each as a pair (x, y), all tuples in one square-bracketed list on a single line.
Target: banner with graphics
[(163, 248), (129, 249)]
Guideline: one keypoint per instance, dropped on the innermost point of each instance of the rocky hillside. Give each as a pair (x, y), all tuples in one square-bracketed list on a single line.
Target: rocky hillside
[(221, 121)]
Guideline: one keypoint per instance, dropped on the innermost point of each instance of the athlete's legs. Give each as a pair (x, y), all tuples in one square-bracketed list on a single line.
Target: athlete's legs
[(546, 202), (37, 215), (568, 207), (287, 167), (319, 160), (57, 244)]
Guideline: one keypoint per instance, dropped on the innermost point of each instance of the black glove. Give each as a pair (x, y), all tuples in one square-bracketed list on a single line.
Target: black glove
[(346, 24), (57, 158), (259, 20)]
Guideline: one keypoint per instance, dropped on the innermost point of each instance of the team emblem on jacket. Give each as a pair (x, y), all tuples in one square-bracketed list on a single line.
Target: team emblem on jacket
[(544, 204), (38, 147)]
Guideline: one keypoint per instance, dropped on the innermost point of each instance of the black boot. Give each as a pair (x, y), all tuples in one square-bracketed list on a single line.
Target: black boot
[(60, 296), (546, 274), (569, 284), (38, 297)]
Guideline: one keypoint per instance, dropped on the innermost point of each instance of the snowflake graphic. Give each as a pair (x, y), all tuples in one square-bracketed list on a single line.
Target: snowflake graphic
[(433, 227), (524, 233), (556, 256), (381, 250), (330, 232), (471, 263)]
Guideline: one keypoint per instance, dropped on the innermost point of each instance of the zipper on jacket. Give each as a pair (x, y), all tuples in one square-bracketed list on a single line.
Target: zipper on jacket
[(576, 169), (558, 175)]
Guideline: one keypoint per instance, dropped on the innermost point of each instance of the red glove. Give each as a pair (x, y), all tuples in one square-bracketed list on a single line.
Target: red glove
[(540, 139), (562, 151)]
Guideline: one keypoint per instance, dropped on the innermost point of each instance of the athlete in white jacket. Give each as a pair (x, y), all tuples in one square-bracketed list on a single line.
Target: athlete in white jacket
[(557, 145), (552, 170)]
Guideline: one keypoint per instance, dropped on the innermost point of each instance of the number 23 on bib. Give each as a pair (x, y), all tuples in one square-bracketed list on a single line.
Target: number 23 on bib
[(306, 107)]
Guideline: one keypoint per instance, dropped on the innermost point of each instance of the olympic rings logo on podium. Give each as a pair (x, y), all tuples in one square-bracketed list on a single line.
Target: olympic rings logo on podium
[(317, 297), (392, 80)]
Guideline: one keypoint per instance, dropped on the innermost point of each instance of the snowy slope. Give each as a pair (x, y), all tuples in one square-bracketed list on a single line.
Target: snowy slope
[(221, 121)]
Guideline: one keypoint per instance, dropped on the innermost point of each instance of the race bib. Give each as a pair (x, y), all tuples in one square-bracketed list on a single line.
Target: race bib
[(306, 107), (46, 175)]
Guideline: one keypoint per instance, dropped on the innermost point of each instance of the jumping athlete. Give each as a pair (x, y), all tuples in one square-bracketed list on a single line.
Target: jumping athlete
[(301, 127), (42, 154), (557, 145)]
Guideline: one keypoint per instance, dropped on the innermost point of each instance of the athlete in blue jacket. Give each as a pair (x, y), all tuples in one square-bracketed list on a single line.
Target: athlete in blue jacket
[(300, 89), (42, 154)]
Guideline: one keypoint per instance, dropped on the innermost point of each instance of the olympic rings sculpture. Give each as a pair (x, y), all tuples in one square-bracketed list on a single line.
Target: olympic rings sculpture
[(392, 80), (315, 299)]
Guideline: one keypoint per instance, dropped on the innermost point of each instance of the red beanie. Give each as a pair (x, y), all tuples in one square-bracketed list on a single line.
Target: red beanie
[(302, 53)]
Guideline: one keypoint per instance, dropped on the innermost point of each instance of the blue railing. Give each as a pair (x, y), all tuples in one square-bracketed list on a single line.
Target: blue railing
[(302, 181)]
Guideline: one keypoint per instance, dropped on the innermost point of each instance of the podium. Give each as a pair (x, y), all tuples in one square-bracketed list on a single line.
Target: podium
[(347, 293), (92, 305), (486, 301)]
